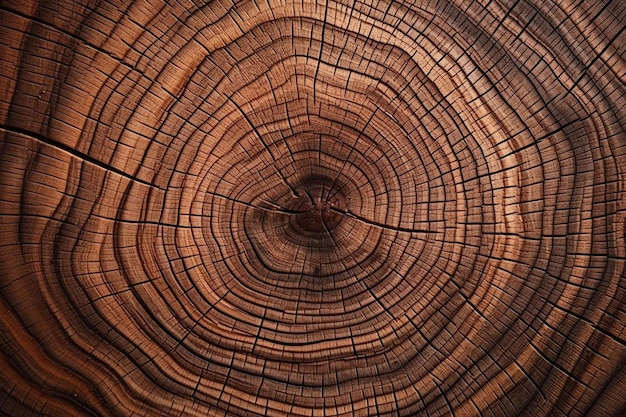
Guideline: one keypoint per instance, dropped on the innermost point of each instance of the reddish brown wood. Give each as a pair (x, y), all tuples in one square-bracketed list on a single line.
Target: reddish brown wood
[(267, 208)]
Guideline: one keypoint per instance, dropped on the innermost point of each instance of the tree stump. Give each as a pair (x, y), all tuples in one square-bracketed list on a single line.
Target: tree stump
[(298, 208)]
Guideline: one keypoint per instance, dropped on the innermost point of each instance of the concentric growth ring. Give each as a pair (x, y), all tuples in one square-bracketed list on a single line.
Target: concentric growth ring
[(313, 208)]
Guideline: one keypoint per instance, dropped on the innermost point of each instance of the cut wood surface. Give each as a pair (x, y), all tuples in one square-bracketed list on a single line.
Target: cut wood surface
[(300, 208)]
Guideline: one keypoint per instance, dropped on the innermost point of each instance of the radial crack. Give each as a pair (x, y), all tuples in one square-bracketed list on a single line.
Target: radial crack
[(381, 225)]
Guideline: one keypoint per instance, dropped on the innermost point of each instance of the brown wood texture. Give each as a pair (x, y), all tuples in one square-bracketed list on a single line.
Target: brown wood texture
[(299, 208)]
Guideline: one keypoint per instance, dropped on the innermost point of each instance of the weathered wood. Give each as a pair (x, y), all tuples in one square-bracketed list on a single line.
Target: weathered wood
[(313, 209)]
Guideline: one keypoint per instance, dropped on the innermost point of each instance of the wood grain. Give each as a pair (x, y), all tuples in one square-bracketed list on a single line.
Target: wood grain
[(297, 208)]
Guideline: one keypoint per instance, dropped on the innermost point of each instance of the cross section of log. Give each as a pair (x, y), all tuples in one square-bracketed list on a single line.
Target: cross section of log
[(312, 208)]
